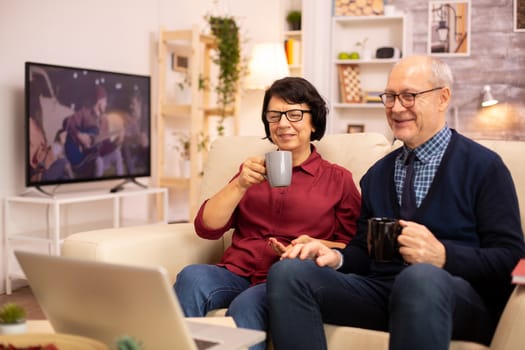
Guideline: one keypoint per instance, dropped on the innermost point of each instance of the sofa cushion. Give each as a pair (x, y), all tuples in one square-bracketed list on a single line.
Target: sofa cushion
[(228, 152), (512, 153), (510, 332), (145, 245), (356, 152)]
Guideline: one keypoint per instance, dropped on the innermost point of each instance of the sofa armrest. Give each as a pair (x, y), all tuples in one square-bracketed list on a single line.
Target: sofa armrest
[(509, 334), (172, 246)]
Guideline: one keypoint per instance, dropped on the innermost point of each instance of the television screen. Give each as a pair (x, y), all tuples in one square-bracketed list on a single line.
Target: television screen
[(85, 125)]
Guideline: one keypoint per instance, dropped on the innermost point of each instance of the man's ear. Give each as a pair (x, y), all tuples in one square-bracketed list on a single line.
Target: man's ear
[(444, 99)]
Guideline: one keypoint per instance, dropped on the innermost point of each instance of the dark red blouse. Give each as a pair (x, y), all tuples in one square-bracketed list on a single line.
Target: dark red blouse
[(322, 202)]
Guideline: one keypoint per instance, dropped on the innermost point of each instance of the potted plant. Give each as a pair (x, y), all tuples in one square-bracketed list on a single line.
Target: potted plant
[(228, 59), (294, 20), (183, 147), (183, 91), (128, 343), (366, 54), (183, 83), (12, 319)]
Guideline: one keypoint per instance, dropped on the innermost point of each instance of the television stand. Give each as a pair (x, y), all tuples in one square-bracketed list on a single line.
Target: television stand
[(120, 186), (44, 192), (58, 224)]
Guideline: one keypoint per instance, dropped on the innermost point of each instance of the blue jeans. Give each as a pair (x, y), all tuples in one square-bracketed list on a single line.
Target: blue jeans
[(201, 288), (423, 307)]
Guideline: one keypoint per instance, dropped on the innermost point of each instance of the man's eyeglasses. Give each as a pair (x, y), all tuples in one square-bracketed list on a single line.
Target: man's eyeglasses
[(407, 99), (293, 115)]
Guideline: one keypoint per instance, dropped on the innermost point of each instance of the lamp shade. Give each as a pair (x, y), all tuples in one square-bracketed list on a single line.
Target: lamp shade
[(487, 99), (442, 31), (267, 64)]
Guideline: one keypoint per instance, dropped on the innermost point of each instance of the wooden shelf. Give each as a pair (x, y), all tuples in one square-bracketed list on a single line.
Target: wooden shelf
[(372, 61), (175, 110), (175, 182), (215, 111), (194, 49), (367, 19)]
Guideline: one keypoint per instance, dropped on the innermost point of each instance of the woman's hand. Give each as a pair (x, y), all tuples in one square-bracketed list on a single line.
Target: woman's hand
[(280, 248), (252, 172), (220, 207), (277, 246)]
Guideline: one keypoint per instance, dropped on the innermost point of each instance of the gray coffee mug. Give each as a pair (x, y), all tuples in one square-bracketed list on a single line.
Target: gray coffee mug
[(279, 168), (382, 238)]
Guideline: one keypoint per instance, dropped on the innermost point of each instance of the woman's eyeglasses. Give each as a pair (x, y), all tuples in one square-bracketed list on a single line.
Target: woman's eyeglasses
[(293, 115)]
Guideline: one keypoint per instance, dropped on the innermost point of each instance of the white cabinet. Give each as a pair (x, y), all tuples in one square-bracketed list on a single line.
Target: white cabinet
[(58, 225), (366, 75)]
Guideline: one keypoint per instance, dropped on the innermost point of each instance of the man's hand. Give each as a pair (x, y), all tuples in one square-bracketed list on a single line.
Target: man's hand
[(303, 239), (419, 245), (314, 250)]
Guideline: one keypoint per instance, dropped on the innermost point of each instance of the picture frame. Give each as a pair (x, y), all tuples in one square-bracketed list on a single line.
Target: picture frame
[(355, 128), (519, 15), (449, 28), (180, 59)]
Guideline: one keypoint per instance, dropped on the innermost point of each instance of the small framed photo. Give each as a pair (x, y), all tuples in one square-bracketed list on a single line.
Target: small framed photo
[(180, 59), (355, 128), (519, 15), (449, 28)]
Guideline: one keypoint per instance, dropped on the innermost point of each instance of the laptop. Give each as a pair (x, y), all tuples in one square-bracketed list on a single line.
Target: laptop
[(106, 301)]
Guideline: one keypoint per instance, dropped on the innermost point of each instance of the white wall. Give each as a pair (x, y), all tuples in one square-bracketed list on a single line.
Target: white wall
[(114, 35)]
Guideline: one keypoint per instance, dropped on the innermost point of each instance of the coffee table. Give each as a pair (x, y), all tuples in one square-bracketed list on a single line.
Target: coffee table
[(40, 332), (61, 341)]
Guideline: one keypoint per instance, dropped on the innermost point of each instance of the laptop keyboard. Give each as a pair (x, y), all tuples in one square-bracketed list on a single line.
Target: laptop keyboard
[(204, 344)]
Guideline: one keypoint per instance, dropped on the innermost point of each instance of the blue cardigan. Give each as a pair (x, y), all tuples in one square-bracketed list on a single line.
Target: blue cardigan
[(471, 207)]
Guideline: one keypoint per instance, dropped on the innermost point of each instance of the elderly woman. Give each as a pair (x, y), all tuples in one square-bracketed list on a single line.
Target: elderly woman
[(322, 203)]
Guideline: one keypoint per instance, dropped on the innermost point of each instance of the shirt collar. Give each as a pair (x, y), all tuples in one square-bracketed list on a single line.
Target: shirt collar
[(426, 151), (311, 164)]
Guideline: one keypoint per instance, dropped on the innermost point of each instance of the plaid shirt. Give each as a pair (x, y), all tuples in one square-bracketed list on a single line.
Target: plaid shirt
[(426, 164)]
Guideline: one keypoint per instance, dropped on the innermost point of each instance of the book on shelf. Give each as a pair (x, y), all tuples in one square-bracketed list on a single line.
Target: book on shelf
[(518, 274), (350, 83), (292, 48), (372, 96)]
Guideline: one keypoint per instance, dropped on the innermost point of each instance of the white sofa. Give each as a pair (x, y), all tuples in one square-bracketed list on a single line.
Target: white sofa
[(176, 245)]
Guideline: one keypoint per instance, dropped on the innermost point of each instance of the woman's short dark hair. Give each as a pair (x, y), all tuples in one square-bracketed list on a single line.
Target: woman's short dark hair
[(295, 90)]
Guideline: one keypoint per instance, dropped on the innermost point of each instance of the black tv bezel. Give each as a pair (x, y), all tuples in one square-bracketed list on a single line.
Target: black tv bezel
[(125, 177)]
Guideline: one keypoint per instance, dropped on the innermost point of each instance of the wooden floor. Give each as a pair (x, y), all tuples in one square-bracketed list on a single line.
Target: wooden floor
[(25, 298)]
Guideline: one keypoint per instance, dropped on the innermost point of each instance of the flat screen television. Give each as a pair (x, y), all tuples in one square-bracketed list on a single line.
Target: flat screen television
[(85, 125)]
